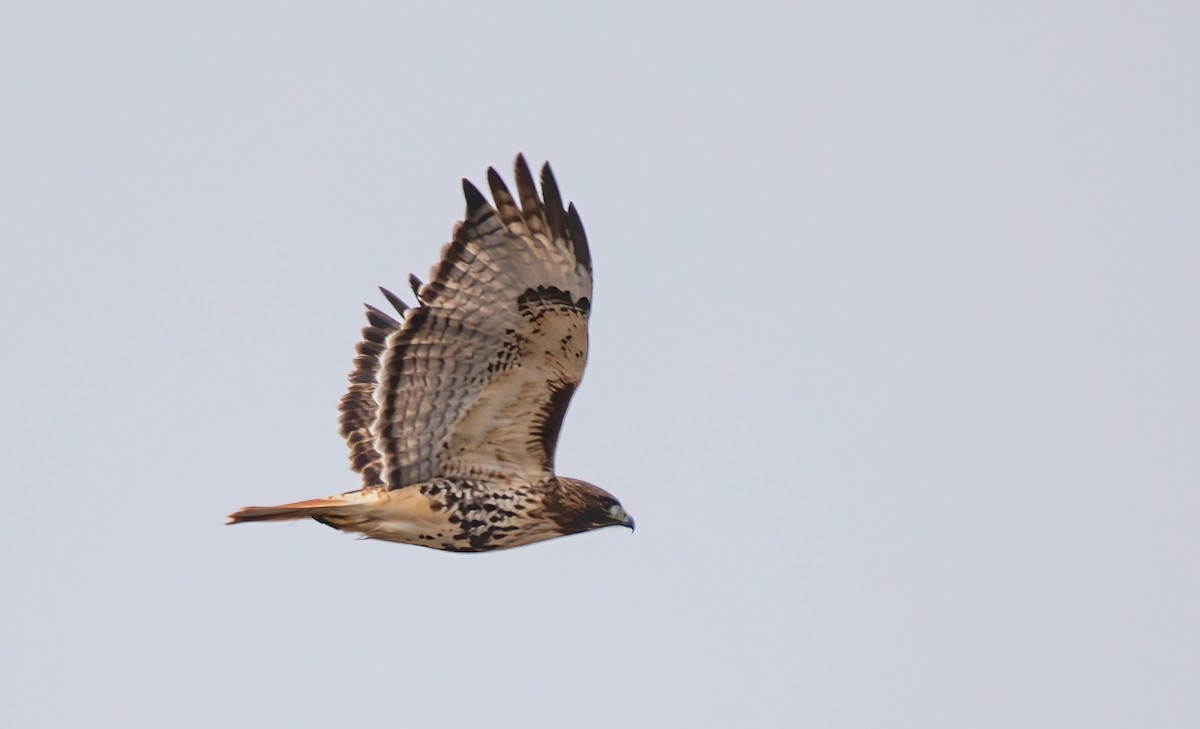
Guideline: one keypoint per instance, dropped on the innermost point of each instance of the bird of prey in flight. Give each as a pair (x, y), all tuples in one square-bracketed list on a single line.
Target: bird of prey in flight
[(454, 408)]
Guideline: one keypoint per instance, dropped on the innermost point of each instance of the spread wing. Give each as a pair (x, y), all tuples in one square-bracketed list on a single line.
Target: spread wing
[(477, 378)]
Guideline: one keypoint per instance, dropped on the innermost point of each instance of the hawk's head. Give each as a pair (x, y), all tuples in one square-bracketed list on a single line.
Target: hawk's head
[(578, 506)]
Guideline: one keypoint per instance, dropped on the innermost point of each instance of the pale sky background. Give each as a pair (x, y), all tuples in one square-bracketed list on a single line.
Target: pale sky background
[(895, 359)]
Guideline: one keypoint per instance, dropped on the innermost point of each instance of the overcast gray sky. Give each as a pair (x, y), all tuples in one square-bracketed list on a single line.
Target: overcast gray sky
[(895, 358)]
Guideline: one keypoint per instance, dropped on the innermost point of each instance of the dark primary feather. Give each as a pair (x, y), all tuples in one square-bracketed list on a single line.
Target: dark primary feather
[(531, 204), (506, 206), (578, 238), (556, 217), (394, 301)]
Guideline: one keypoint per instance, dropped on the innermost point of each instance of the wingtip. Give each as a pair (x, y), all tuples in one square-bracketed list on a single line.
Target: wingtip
[(522, 171), (549, 184), (552, 202), (394, 300), (578, 237), (379, 318), (475, 199)]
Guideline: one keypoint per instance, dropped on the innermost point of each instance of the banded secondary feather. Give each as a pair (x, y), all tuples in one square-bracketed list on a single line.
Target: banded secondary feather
[(454, 409)]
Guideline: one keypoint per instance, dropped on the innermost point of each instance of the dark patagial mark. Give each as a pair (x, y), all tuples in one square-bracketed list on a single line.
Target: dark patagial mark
[(551, 295)]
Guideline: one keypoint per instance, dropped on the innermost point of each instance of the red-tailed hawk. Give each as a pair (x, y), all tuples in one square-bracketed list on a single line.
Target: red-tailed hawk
[(453, 411)]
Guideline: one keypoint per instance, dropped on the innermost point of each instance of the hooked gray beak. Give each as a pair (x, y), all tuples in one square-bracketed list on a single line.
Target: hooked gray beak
[(628, 522)]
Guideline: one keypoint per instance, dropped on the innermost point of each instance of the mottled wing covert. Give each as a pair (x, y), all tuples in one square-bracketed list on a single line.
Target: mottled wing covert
[(477, 379)]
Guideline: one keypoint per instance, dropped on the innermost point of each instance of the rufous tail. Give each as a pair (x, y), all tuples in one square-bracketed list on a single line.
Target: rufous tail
[(287, 512)]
